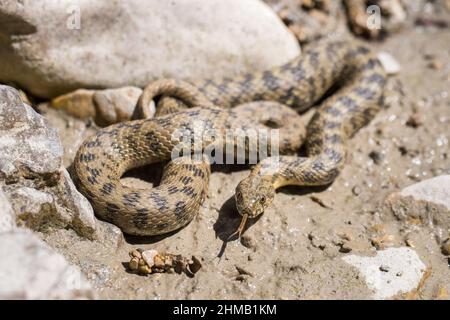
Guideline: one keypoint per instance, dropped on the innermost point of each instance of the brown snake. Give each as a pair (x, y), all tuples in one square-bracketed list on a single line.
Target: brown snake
[(346, 66)]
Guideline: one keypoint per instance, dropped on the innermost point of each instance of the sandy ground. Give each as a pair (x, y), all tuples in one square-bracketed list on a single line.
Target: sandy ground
[(294, 250)]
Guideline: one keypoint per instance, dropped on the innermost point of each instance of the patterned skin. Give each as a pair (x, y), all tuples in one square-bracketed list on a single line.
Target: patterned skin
[(349, 68)]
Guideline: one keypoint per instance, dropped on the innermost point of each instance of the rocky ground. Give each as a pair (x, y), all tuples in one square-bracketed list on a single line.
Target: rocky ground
[(380, 231)]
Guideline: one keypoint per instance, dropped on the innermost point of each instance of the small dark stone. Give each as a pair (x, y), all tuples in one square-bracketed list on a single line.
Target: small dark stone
[(376, 156), (356, 190)]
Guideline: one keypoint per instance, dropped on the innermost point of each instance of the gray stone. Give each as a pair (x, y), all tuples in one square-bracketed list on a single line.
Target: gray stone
[(428, 200), (115, 105), (54, 47), (109, 235), (38, 188), (392, 271), (33, 208), (29, 269), (82, 217), (104, 106), (29, 146), (435, 190), (7, 217)]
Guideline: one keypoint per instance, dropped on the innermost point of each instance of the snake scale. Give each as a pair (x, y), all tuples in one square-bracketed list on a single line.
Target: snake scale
[(345, 76)]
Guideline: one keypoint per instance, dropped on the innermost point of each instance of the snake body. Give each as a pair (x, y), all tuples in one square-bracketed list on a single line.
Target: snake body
[(349, 67)]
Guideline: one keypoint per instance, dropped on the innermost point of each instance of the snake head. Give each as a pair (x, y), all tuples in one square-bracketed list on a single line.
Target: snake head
[(253, 195)]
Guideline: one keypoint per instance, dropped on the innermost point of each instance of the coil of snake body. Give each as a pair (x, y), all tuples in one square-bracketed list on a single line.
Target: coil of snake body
[(350, 69)]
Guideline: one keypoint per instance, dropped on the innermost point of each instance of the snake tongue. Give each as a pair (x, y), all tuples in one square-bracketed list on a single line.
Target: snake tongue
[(240, 228)]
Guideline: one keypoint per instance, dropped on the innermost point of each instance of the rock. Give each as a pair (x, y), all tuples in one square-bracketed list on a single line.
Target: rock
[(104, 106), (392, 271), (29, 269), (28, 147), (389, 63), (79, 103), (98, 274), (106, 44), (248, 241), (356, 190), (149, 256), (428, 200), (82, 215), (39, 189), (7, 217), (377, 157), (436, 65), (115, 105), (109, 234), (33, 208), (446, 247), (158, 262)]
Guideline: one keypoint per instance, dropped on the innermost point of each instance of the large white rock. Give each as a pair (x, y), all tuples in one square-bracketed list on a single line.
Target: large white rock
[(392, 271), (53, 47), (29, 269)]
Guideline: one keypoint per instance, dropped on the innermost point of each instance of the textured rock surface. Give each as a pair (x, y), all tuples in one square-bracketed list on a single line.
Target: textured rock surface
[(392, 271), (29, 269), (79, 103), (435, 190), (428, 200), (7, 218), (115, 105), (39, 189), (53, 47), (28, 145), (104, 106)]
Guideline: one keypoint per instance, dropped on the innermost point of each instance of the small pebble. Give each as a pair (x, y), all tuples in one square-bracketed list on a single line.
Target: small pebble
[(320, 202), (149, 256), (168, 261), (248, 241), (446, 247), (195, 265), (414, 121), (410, 243), (243, 271), (389, 63), (136, 253), (145, 269), (134, 263), (158, 262), (356, 190), (384, 268), (240, 278), (376, 156), (383, 241), (345, 249), (435, 65)]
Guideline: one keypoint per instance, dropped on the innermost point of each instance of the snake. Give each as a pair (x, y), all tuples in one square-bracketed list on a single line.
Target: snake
[(343, 77)]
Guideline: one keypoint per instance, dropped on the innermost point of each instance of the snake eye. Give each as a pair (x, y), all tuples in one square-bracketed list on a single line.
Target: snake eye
[(262, 199), (239, 196)]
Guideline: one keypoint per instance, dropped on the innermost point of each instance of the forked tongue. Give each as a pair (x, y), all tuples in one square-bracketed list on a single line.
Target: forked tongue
[(240, 228)]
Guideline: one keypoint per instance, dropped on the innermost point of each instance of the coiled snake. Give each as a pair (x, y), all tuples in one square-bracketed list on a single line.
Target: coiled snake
[(349, 68)]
